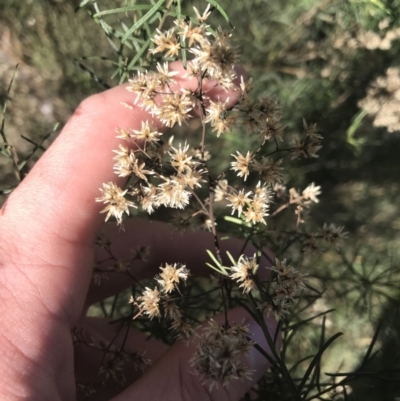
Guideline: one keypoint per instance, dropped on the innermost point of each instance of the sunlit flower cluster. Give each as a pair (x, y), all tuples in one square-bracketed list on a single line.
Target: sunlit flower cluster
[(243, 272), (250, 188), (254, 205), (149, 301), (171, 175), (116, 203), (162, 300)]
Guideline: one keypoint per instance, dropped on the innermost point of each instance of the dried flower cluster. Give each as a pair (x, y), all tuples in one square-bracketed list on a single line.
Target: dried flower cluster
[(347, 42), (283, 285), (168, 280), (333, 235), (113, 362), (219, 355), (383, 100), (164, 174), (243, 272), (287, 284), (160, 302), (251, 185)]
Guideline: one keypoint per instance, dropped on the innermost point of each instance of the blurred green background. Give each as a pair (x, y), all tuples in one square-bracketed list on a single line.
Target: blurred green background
[(332, 62)]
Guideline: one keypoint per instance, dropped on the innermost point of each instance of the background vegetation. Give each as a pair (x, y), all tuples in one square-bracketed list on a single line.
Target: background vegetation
[(324, 60)]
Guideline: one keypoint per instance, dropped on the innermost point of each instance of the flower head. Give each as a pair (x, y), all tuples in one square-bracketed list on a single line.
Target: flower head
[(311, 193), (174, 109), (171, 275), (243, 272), (242, 164), (147, 133), (117, 204), (239, 200), (166, 42), (149, 302)]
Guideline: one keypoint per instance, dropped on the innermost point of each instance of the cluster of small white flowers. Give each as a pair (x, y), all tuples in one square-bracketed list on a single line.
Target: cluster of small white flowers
[(301, 201), (149, 163), (157, 302), (170, 276), (116, 203), (148, 302), (168, 280), (219, 354), (254, 205), (172, 191), (311, 192), (243, 272), (284, 285)]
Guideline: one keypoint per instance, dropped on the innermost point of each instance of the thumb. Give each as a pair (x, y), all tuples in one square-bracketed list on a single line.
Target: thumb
[(172, 378)]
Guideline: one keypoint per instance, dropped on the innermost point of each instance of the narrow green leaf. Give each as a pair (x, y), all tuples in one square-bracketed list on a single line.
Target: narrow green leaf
[(108, 30), (21, 165), (82, 4), (237, 221), (211, 255), (178, 9), (222, 269), (7, 191), (371, 345), (316, 360), (220, 9), (5, 152), (138, 7), (298, 324), (379, 4), (231, 258), (138, 54), (356, 122), (213, 267), (3, 135), (145, 17)]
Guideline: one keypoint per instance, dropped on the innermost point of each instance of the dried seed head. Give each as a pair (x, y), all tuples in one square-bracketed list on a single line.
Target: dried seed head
[(219, 355), (243, 272), (166, 42), (242, 164), (149, 302), (117, 204), (171, 275)]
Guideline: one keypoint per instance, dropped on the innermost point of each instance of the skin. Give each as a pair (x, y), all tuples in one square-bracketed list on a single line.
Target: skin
[(48, 227)]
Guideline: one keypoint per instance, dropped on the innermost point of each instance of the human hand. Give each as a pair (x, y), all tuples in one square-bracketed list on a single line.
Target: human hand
[(48, 228)]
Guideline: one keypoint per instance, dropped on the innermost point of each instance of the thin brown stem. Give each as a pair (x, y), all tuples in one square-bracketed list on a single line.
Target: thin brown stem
[(286, 205), (218, 254)]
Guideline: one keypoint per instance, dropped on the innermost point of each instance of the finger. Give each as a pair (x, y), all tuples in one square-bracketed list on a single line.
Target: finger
[(166, 246), (53, 211), (172, 378)]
